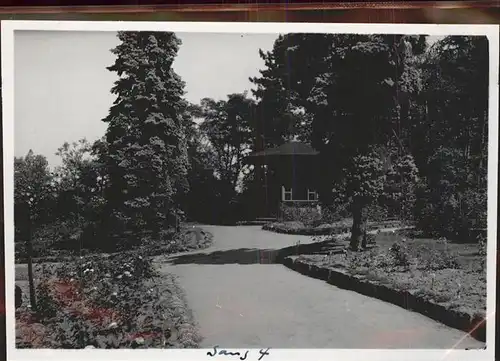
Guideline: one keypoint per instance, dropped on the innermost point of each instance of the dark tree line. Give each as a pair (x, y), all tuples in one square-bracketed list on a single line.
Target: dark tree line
[(398, 124), (129, 185)]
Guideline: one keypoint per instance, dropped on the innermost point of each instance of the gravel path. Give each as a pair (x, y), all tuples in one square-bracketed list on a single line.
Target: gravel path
[(240, 300)]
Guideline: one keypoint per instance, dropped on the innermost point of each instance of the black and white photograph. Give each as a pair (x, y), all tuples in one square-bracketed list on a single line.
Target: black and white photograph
[(243, 190)]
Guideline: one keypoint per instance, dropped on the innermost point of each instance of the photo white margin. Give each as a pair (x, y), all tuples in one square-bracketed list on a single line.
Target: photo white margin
[(7, 34)]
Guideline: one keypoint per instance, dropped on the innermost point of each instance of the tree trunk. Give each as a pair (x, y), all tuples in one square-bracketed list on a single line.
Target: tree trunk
[(177, 223), (358, 226), (30, 265), (364, 242)]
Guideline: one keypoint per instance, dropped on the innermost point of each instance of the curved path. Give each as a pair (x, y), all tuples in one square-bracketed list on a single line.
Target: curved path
[(240, 300)]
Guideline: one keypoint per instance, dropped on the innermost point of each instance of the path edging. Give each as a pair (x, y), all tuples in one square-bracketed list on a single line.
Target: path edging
[(305, 231), (324, 231), (466, 322), (207, 241)]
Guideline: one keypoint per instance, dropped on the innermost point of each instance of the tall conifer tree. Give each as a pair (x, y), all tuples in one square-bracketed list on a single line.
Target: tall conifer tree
[(147, 159)]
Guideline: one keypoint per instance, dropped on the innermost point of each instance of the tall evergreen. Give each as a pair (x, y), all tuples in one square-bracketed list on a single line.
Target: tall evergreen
[(147, 151)]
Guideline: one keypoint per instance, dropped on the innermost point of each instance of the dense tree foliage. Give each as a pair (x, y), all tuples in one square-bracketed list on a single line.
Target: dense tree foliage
[(357, 93), (147, 156), (450, 139), (33, 203), (130, 184), (284, 85), (400, 126), (33, 190), (81, 181), (202, 202), (227, 127), (217, 147)]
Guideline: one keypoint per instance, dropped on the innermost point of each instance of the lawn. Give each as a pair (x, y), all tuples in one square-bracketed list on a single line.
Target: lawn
[(444, 272)]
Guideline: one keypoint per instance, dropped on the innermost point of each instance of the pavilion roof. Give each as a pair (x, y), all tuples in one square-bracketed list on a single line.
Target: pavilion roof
[(292, 148)]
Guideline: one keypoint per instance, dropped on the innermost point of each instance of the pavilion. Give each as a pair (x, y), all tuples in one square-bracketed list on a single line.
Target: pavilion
[(285, 175)]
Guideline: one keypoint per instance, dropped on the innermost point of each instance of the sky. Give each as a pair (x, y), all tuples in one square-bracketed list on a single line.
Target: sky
[(62, 86)]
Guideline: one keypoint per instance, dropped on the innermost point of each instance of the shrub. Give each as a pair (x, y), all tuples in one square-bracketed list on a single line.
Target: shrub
[(399, 252), (356, 261), (370, 238), (46, 305), (334, 213), (308, 215), (383, 260), (451, 214), (449, 202), (399, 189)]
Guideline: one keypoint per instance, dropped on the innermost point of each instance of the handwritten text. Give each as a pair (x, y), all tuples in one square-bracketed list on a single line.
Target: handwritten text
[(241, 355)]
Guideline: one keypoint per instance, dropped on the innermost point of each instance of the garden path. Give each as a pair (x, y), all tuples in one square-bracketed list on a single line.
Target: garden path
[(240, 300)]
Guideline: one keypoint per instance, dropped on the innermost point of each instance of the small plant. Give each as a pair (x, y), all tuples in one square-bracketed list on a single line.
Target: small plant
[(334, 212), (46, 305), (400, 254), (383, 260), (360, 261), (368, 239)]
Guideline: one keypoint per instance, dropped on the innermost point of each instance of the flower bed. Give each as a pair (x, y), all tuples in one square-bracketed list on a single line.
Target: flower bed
[(299, 228), (106, 302), (412, 275)]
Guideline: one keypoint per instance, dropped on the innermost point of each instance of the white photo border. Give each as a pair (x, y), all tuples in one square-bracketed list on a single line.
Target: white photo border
[(7, 37)]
